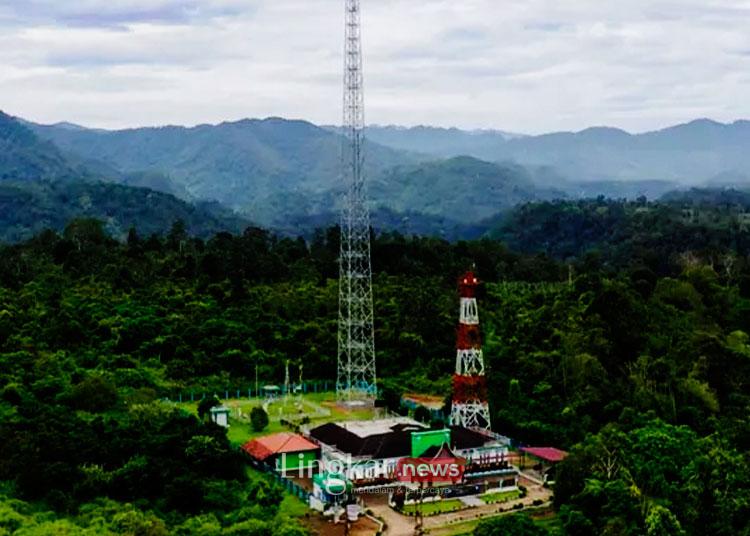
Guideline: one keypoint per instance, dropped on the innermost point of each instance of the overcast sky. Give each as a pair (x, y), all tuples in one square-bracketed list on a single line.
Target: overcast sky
[(524, 65)]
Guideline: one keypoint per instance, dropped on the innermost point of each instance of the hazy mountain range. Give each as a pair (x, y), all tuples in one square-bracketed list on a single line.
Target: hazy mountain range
[(692, 153), (284, 174)]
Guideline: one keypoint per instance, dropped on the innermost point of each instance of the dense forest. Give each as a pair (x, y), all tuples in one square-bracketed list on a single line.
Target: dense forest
[(629, 347)]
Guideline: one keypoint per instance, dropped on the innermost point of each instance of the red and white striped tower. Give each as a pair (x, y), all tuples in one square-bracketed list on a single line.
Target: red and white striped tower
[(469, 407)]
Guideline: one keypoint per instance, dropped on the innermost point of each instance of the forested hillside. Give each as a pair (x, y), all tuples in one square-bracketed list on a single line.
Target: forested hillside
[(637, 365), (29, 208), (281, 174), (706, 223), (25, 157), (248, 165), (42, 188)]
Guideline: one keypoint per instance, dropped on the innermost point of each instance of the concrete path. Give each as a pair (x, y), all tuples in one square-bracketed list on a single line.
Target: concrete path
[(472, 501)]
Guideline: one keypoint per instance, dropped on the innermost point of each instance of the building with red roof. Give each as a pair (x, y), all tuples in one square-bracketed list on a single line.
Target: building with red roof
[(284, 451), (547, 454), (545, 460)]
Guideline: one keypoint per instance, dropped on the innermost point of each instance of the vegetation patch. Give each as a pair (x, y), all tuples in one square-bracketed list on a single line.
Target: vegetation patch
[(435, 507), (500, 496)]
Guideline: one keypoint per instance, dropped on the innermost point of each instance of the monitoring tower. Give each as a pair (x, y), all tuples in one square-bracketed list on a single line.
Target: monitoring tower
[(356, 340)]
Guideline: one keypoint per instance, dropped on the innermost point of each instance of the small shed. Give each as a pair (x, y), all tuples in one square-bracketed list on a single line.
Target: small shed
[(220, 415), (271, 392), (284, 451)]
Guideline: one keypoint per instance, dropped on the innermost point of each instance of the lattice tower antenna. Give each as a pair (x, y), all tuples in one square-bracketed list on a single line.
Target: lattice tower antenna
[(469, 407), (356, 379)]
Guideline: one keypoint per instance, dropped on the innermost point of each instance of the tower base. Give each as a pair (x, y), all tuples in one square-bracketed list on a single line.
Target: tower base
[(471, 415)]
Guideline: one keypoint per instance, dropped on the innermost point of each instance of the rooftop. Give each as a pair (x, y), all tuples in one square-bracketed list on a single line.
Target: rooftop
[(364, 429), (428, 401), (548, 454), (392, 442), (284, 442)]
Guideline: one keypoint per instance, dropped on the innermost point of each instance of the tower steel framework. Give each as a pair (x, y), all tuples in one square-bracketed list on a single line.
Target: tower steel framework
[(356, 337), (469, 406)]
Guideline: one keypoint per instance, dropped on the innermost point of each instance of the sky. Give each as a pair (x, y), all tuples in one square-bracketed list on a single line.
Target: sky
[(528, 66)]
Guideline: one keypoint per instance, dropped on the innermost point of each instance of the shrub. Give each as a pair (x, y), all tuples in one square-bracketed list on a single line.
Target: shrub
[(258, 419)]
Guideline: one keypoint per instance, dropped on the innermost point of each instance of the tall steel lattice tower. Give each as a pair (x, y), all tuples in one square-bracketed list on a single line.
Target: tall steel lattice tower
[(469, 406), (356, 339)]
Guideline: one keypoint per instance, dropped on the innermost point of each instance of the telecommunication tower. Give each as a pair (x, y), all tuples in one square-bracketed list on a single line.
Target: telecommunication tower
[(469, 406), (356, 339)]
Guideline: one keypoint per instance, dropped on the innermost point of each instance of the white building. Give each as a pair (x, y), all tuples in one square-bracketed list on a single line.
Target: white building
[(220, 415)]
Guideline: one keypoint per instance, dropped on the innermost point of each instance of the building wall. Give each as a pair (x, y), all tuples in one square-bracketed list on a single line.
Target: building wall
[(220, 419), (294, 460)]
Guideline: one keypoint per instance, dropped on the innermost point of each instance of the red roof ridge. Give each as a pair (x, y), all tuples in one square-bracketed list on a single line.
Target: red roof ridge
[(550, 454), (278, 443)]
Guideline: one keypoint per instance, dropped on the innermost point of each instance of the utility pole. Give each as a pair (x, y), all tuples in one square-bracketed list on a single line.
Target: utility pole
[(355, 379), (287, 384)]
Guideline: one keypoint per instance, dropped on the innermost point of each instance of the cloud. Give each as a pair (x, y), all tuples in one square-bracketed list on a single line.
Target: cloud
[(116, 13), (532, 66)]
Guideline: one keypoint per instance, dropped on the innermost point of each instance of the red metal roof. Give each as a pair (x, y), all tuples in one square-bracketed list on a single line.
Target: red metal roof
[(548, 454), (284, 442)]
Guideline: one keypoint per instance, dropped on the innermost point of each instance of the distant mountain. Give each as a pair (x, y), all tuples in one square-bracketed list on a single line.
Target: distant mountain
[(463, 189), (284, 174), (25, 157), (693, 153), (709, 197), (244, 164), (294, 188), (617, 189), (441, 142), (699, 152), (41, 188)]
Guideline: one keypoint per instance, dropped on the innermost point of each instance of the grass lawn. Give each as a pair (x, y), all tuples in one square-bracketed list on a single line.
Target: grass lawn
[(456, 529), (464, 528), (292, 506), (436, 507), (240, 431), (500, 496)]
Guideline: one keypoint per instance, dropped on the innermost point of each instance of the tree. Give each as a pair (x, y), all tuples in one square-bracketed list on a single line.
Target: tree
[(576, 523), (94, 394), (509, 525), (205, 405), (177, 236), (258, 418), (661, 522)]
